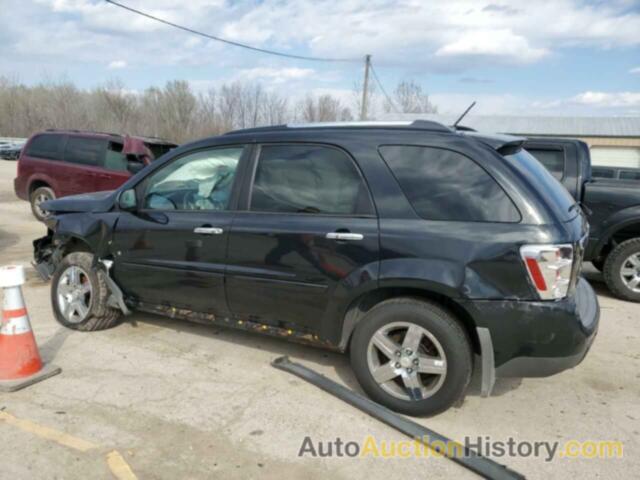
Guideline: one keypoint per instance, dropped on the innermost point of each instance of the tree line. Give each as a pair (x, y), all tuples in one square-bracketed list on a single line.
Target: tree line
[(176, 112)]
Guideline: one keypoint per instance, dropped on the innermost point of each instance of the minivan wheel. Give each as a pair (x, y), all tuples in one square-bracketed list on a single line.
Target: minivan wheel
[(622, 270), (38, 197), (79, 295), (412, 356)]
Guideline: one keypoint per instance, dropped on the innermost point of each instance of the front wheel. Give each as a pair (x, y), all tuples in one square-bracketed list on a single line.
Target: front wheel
[(412, 356), (79, 295), (622, 270)]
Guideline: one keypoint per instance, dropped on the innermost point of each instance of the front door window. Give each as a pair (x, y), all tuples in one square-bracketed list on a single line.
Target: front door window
[(198, 181)]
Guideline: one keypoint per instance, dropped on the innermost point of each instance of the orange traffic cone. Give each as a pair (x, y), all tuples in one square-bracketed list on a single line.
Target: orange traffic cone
[(20, 363)]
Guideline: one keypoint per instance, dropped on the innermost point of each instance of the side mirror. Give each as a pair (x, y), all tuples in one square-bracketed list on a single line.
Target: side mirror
[(127, 200), (134, 166)]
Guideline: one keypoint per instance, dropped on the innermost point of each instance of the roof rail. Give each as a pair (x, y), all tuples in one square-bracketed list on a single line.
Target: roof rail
[(426, 125), (74, 130)]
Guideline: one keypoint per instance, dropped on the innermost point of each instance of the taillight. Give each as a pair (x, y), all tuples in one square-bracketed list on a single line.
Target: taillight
[(549, 268)]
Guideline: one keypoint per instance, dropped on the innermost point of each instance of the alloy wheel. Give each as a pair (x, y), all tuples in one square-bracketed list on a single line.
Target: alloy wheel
[(630, 272), (74, 294), (407, 361)]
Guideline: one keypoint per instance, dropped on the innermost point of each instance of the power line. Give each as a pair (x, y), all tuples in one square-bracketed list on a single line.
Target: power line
[(391, 103), (231, 42)]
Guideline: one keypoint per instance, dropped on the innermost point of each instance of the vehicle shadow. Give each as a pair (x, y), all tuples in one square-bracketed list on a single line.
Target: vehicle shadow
[(596, 280), (313, 357)]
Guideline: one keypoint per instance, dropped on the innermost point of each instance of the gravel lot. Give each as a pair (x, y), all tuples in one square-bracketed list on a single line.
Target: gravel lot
[(177, 400)]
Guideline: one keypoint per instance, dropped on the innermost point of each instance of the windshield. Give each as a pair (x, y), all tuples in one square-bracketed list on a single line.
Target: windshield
[(543, 181)]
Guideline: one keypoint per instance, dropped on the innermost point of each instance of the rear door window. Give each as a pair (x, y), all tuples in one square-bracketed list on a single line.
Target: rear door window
[(552, 159), (45, 146), (86, 151), (446, 185), (312, 179)]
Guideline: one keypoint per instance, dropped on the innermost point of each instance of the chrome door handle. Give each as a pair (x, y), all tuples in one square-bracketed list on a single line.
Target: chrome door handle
[(208, 230), (344, 236)]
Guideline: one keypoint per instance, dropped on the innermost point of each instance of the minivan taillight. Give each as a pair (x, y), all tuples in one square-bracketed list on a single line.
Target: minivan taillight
[(549, 268)]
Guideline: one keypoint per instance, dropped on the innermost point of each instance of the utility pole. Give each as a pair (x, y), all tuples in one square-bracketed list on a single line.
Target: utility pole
[(365, 87)]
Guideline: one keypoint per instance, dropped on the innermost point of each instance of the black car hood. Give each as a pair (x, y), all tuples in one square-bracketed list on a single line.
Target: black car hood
[(85, 202)]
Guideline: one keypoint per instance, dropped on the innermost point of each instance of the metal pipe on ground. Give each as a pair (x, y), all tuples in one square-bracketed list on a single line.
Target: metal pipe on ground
[(471, 460)]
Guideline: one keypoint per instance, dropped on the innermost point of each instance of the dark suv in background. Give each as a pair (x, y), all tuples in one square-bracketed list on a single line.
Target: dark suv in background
[(418, 249), (59, 163), (612, 208)]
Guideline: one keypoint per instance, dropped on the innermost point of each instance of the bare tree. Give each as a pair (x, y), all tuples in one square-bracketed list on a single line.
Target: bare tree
[(325, 108), (275, 109), (172, 111), (117, 106), (408, 97)]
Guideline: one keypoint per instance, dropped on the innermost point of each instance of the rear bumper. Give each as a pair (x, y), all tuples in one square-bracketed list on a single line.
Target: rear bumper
[(538, 339)]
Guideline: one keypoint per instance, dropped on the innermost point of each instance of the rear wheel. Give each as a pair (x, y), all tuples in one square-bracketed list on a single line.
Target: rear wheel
[(38, 197), (622, 270), (412, 356), (79, 295)]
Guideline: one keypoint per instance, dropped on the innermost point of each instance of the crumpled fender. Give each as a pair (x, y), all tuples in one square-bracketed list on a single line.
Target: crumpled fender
[(94, 230)]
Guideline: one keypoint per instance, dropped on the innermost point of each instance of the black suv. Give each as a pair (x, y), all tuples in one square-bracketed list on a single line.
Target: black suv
[(418, 249)]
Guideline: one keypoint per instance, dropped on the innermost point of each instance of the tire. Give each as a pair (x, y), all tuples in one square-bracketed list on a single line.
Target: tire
[(599, 263), (38, 196), (620, 261), (451, 342), (92, 294)]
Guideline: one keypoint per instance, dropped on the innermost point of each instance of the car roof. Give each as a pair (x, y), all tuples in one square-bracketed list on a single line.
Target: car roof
[(424, 125), (91, 133), (501, 143)]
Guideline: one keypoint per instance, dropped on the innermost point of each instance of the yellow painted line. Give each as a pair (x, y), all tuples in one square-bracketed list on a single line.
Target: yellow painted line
[(48, 433), (119, 467)]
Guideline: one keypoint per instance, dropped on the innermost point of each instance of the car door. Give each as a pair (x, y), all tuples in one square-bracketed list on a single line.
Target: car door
[(171, 250), (94, 164), (82, 160), (306, 235)]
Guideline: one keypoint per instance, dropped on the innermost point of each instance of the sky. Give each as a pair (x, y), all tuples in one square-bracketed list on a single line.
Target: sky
[(559, 57)]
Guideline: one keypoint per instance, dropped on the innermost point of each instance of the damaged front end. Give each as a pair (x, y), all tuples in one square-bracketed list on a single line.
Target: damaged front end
[(79, 232), (47, 254)]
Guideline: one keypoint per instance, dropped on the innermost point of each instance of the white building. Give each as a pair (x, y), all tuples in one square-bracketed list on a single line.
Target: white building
[(614, 141)]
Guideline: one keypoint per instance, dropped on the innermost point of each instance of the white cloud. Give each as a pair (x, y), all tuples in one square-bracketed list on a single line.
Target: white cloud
[(492, 43), (117, 64), (635, 70), (608, 99), (430, 35), (274, 75)]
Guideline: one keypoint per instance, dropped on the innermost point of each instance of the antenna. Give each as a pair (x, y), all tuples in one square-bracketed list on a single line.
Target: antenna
[(464, 114)]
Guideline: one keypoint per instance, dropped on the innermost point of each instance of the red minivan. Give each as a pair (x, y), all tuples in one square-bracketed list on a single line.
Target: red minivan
[(56, 163)]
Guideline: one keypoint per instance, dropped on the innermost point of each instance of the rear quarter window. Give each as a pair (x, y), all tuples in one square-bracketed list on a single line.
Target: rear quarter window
[(445, 185)]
